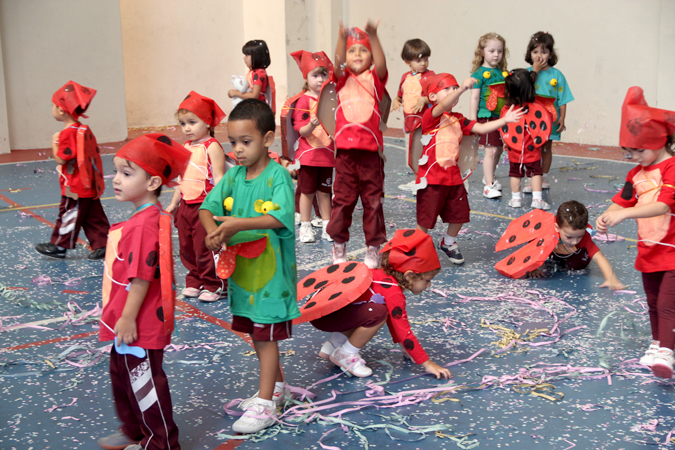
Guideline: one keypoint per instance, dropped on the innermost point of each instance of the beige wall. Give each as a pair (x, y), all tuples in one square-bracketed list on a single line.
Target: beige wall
[(43, 45)]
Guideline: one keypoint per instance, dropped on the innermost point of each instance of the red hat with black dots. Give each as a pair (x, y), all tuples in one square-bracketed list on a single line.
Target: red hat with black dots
[(74, 98), (308, 61), (159, 155), (412, 250), (358, 36), (642, 126), (204, 108), (438, 82)]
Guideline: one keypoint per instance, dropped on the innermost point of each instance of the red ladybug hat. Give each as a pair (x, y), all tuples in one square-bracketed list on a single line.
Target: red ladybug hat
[(74, 98), (644, 127), (309, 61), (438, 82), (358, 36), (204, 108), (412, 250), (159, 155)]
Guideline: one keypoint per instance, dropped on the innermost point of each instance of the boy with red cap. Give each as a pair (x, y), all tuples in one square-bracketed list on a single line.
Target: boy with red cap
[(439, 184), (80, 176), (316, 152), (648, 196), (198, 116), (409, 261), (139, 295), (359, 163)]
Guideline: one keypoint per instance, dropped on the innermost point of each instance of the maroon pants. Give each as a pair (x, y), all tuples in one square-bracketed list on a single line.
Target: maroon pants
[(660, 290), (358, 173), (197, 259), (86, 214), (143, 400)]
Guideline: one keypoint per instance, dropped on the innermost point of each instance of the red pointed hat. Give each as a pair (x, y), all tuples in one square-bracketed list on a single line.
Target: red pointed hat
[(204, 108), (309, 61), (157, 154), (644, 127), (73, 98), (412, 250), (438, 82), (358, 36)]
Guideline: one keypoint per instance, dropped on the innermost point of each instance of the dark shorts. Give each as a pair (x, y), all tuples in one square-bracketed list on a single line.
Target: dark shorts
[(352, 316), (262, 331), (526, 170), (492, 139), (449, 202), (313, 179)]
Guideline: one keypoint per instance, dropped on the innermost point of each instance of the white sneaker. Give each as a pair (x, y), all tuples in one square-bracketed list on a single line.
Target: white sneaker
[(307, 235), (407, 186), (191, 292), (327, 349), (496, 184), (256, 417), (298, 219), (648, 358), (278, 397), (662, 366), (516, 203), (540, 204), (350, 362), (490, 191), (317, 222), (210, 297), (372, 259), (339, 253), (325, 236)]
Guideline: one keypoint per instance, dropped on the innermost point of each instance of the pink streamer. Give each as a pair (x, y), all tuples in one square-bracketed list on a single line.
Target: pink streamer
[(42, 280), (597, 190), (62, 406), (650, 426)]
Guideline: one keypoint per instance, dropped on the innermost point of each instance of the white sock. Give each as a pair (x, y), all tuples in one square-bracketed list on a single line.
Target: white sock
[(305, 224), (325, 224), (449, 240), (347, 347), (515, 195), (268, 403), (337, 339), (279, 386), (536, 195)]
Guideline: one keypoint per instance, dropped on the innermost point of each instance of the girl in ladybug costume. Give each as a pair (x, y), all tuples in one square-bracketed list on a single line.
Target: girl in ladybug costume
[(649, 197), (409, 261)]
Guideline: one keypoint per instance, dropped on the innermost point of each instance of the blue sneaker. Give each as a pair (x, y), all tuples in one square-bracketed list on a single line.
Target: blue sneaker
[(453, 253)]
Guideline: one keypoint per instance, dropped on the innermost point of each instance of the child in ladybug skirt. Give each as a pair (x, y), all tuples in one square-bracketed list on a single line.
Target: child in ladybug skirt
[(409, 261)]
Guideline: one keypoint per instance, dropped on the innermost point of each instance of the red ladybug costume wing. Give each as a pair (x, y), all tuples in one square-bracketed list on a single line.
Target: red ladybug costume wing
[(536, 122), (166, 274), (227, 261), (496, 92), (549, 105), (326, 107), (89, 161), (529, 257), (533, 225), (289, 136), (338, 285)]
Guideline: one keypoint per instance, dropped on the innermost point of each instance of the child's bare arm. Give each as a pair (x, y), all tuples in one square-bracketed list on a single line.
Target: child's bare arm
[(420, 104), (125, 328), (475, 101), (307, 129), (600, 224), (255, 92), (614, 216), (560, 123), (510, 117), (210, 225), (611, 281), (175, 200), (396, 104), (341, 51), (232, 225), (379, 60), (217, 156), (445, 104)]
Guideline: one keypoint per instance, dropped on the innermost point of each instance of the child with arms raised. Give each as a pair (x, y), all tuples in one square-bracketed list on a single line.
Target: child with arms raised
[(198, 116), (262, 290), (316, 151), (81, 182), (649, 197), (411, 95), (441, 187), (409, 261), (489, 64), (361, 73), (138, 294), (550, 83)]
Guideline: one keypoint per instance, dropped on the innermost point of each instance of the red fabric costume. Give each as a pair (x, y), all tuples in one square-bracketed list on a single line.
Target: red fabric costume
[(410, 90), (317, 149), (258, 77)]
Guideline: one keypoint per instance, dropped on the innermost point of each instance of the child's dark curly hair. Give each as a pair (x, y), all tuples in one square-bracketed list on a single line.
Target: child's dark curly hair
[(400, 278), (519, 87), (545, 39)]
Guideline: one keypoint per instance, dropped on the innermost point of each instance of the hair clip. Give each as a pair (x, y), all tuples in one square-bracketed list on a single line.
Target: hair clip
[(505, 74)]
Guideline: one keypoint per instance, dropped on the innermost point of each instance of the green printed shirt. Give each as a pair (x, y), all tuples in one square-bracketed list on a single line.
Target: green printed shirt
[(484, 85)]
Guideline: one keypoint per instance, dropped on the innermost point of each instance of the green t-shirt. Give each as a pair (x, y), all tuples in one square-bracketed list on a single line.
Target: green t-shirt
[(560, 92), (262, 289), (483, 84)]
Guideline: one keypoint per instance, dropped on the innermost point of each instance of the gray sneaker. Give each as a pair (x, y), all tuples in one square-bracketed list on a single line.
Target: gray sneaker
[(116, 441)]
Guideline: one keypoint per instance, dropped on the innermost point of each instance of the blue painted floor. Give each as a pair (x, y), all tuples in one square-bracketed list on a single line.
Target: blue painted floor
[(592, 398)]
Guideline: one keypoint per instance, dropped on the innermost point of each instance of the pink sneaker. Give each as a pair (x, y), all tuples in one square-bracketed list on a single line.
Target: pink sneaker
[(339, 253), (189, 292), (210, 297)]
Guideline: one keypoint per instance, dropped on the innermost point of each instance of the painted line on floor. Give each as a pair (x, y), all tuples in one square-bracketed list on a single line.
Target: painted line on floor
[(48, 341)]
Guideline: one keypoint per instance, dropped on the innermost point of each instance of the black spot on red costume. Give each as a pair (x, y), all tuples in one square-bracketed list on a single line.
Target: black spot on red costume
[(627, 191), (67, 152), (634, 126), (348, 280), (160, 314), (131, 257), (151, 259), (305, 116), (321, 284), (332, 268), (350, 267), (308, 282), (167, 171), (397, 312), (409, 344), (164, 139), (255, 77), (310, 304), (408, 233), (411, 252)]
